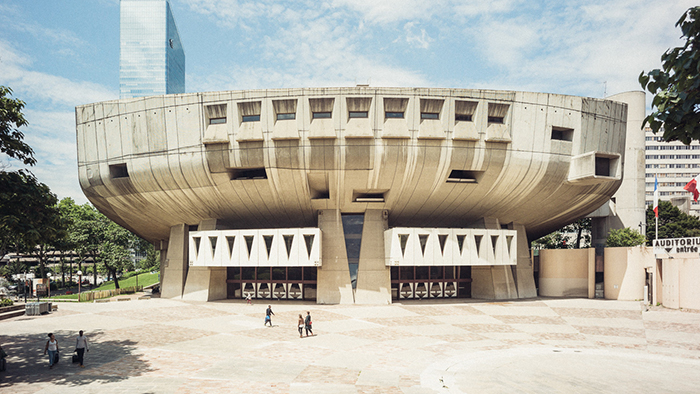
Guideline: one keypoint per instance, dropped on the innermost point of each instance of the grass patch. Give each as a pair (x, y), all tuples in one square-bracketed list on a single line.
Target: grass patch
[(144, 280), (65, 297)]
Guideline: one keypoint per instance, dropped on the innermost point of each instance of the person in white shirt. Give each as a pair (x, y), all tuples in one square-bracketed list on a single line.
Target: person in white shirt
[(52, 349), (81, 346)]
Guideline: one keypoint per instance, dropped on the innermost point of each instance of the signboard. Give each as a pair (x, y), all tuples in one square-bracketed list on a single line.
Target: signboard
[(673, 246)]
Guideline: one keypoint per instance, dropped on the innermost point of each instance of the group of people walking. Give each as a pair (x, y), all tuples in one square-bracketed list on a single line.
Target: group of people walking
[(52, 349), (304, 323)]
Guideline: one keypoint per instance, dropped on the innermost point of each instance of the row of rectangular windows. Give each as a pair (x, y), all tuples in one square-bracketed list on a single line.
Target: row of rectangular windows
[(359, 108), (664, 184), (695, 165), (680, 193), (652, 157), (357, 114), (673, 175), (673, 147)]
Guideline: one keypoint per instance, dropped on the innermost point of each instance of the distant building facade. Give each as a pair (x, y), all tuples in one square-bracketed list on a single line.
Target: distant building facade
[(151, 59), (674, 164)]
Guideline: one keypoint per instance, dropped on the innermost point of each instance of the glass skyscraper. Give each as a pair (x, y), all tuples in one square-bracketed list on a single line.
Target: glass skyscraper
[(151, 60)]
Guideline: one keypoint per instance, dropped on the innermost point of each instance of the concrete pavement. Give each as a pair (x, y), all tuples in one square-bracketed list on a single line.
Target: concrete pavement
[(534, 346)]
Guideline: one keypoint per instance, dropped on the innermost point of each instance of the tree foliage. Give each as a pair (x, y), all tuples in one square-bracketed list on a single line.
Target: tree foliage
[(624, 237), (676, 87), (11, 119), (672, 223), (572, 236), (29, 214)]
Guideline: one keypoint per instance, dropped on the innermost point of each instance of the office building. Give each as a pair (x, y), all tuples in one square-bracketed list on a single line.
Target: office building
[(151, 57), (674, 164)]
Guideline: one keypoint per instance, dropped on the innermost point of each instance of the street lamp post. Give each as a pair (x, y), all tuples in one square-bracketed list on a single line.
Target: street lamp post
[(80, 282), (48, 285)]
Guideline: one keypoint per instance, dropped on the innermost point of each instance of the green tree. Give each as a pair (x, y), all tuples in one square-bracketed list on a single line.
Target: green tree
[(676, 87), (28, 212), (572, 236), (624, 237), (11, 119), (672, 223)]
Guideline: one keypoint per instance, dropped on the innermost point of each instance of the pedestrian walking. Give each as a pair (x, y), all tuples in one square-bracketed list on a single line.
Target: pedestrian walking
[(81, 346), (247, 299), (300, 322), (307, 324), (52, 349), (3, 364), (268, 315)]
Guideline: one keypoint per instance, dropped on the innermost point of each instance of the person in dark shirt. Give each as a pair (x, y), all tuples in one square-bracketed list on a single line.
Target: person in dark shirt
[(268, 315)]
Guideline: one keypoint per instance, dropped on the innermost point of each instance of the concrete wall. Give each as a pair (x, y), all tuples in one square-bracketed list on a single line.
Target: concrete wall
[(680, 283), (333, 286), (564, 272), (571, 272), (373, 276), (625, 272)]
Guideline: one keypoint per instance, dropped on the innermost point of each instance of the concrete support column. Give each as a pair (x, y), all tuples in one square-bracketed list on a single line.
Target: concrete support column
[(373, 276), (493, 282), (333, 286), (205, 283), (173, 269), (525, 277)]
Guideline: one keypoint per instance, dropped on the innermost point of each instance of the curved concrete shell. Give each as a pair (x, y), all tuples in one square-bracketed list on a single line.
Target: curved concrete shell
[(274, 158)]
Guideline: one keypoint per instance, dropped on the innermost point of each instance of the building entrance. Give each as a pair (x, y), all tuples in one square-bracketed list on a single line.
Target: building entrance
[(284, 283), (411, 282)]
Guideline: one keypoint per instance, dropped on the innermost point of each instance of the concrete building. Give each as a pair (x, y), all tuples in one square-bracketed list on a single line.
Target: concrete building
[(151, 57), (349, 195), (674, 164)]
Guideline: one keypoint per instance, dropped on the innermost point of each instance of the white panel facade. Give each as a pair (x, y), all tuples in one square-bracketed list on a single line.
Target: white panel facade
[(230, 248), (410, 246)]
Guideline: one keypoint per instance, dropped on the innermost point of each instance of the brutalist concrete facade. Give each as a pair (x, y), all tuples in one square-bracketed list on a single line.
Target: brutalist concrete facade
[(443, 164)]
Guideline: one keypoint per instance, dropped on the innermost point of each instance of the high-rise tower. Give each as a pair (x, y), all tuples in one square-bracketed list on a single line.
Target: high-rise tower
[(151, 60)]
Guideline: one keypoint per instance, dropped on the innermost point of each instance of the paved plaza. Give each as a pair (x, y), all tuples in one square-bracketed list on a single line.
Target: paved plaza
[(533, 346)]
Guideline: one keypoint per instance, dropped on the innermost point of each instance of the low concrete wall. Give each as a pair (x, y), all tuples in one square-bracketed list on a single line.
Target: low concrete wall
[(624, 272), (563, 272), (680, 279)]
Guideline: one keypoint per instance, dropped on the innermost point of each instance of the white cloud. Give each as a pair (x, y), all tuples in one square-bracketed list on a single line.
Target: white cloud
[(15, 71), (416, 40), (578, 49), (309, 47)]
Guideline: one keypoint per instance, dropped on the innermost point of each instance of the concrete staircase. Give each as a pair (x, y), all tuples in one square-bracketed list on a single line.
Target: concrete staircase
[(8, 312)]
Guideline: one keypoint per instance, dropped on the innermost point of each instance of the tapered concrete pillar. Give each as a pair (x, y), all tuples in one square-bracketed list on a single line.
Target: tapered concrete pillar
[(333, 286), (525, 278), (205, 283), (373, 276), (493, 282), (173, 270)]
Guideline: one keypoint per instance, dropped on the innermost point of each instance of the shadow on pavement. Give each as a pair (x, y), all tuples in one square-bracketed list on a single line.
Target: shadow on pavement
[(27, 364)]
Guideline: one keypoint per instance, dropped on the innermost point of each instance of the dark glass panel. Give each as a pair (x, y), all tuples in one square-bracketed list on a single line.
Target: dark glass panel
[(294, 273)]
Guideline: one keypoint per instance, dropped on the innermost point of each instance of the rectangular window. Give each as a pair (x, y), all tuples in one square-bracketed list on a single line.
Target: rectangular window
[(358, 114), (321, 115), (286, 116), (251, 118), (248, 173), (495, 119), (562, 134), (460, 176), (429, 115), (602, 166), (217, 120), (369, 197), (463, 118), (393, 115), (118, 171)]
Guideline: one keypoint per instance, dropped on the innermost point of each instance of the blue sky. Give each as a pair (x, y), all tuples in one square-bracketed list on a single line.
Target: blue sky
[(56, 55)]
